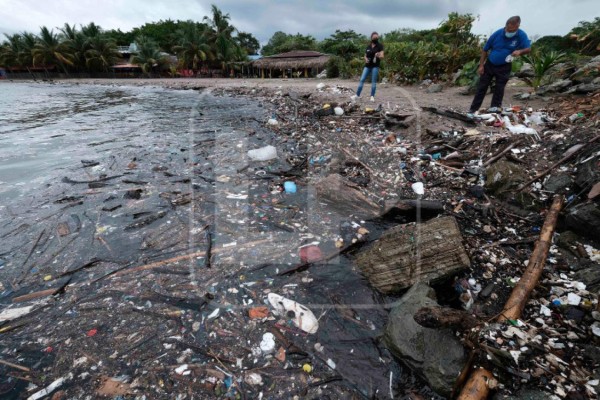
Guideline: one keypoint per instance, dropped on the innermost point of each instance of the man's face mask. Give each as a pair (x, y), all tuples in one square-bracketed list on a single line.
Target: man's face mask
[(510, 34)]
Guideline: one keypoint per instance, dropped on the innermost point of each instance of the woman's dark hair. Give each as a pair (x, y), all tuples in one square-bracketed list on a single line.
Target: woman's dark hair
[(374, 33)]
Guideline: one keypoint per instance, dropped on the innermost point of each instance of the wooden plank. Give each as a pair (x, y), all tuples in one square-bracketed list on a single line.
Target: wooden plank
[(413, 252)]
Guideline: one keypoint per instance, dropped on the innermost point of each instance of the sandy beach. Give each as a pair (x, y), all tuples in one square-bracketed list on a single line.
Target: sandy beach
[(389, 95)]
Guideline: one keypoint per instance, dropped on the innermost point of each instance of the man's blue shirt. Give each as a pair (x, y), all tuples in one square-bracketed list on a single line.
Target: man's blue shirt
[(501, 46)]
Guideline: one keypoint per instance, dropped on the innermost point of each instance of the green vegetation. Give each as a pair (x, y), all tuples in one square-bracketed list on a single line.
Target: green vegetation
[(541, 63), (434, 54), (214, 42), (410, 55), (281, 42)]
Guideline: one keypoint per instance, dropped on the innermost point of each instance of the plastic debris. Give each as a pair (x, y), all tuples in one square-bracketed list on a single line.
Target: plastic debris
[(300, 316), (263, 154)]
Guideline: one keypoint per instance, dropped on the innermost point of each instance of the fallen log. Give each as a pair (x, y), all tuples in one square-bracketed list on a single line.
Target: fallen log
[(520, 294), (477, 387), (445, 317)]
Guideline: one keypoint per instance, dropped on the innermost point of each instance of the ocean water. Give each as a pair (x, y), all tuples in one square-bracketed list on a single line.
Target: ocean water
[(98, 179)]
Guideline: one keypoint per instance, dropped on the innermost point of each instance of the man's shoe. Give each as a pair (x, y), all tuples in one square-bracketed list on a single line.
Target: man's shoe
[(494, 109), (372, 99)]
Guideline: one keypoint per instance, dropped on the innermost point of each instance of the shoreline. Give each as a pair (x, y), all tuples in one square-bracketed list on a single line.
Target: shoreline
[(388, 95)]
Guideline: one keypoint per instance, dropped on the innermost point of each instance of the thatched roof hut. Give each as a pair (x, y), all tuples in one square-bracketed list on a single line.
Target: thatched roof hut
[(293, 60)]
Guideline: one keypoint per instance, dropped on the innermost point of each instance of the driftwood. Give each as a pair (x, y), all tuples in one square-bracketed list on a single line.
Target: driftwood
[(477, 387), (15, 366), (413, 252), (345, 198), (520, 294), (189, 256), (556, 164), (444, 317), (35, 295), (451, 114), (501, 154)]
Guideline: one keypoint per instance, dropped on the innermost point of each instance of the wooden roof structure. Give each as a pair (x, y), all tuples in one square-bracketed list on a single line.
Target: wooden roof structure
[(293, 59)]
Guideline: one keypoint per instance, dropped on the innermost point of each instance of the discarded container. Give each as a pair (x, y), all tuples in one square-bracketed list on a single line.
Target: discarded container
[(300, 316), (267, 345), (320, 86), (272, 121), (263, 154), (575, 117), (418, 188), (289, 186), (338, 111)]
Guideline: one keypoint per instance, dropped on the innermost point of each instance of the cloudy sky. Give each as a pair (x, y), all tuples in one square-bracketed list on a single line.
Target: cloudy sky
[(318, 18)]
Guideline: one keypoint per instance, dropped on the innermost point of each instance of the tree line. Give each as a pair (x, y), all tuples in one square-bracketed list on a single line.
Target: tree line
[(411, 55), (213, 42)]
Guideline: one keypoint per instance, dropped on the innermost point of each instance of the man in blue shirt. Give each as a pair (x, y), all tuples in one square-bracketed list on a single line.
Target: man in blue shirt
[(504, 44)]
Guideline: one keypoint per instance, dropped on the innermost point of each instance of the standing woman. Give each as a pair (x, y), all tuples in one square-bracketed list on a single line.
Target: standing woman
[(373, 55)]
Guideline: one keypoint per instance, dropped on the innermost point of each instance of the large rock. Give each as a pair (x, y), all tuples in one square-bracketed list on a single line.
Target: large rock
[(588, 172), (555, 87), (435, 354), (558, 183), (584, 219), (411, 253), (435, 88), (588, 72), (526, 71), (587, 88), (558, 72), (503, 176), (590, 276)]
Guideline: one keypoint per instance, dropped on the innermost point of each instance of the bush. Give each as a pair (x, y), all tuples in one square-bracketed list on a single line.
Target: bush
[(468, 74), (333, 67), (434, 54)]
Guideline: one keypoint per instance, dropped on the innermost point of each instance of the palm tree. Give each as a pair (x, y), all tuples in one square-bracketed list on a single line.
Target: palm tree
[(91, 30), (221, 36), (50, 50), (77, 44), (148, 55), (102, 53), (193, 48), (10, 50), (28, 42)]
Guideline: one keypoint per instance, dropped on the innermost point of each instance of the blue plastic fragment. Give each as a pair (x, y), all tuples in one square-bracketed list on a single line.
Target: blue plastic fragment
[(289, 186)]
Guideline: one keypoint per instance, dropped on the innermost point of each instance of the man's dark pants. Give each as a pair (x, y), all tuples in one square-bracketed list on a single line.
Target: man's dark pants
[(501, 73)]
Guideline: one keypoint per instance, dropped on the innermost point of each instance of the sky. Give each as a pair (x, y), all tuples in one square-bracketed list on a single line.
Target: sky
[(318, 18)]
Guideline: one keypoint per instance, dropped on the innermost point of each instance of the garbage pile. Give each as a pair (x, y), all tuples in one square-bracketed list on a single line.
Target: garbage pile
[(269, 294)]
